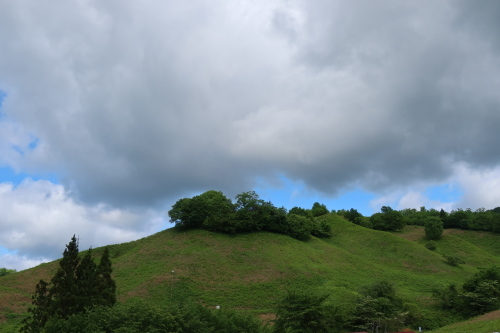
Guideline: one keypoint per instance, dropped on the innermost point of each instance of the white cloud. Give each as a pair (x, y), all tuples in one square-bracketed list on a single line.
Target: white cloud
[(138, 103), (19, 263), (39, 218), (481, 187)]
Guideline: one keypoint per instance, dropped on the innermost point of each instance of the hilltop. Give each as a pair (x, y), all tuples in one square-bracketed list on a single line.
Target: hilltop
[(250, 272)]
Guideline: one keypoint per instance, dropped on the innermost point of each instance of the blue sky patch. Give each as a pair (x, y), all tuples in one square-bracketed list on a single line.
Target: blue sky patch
[(295, 193), (4, 250), (445, 193), (2, 98), (8, 175)]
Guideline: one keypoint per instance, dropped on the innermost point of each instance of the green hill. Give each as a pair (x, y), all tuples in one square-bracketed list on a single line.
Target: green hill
[(250, 272), (487, 323)]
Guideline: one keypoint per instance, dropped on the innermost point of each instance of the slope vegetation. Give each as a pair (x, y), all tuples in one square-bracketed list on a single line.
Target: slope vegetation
[(251, 272)]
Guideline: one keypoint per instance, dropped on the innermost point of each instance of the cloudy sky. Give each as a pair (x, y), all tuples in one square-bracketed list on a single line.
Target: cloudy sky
[(112, 110)]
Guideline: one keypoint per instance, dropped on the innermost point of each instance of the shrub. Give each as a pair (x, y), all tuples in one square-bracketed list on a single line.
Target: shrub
[(453, 260), (431, 245), (433, 227), (321, 228), (303, 311), (300, 227), (364, 222)]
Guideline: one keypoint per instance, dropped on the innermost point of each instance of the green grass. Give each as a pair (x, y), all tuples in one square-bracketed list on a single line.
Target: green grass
[(484, 324), (252, 271)]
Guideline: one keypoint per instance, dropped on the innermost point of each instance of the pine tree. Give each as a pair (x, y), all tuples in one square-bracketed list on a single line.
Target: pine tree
[(77, 286), (64, 283), (107, 286), (39, 315), (87, 281)]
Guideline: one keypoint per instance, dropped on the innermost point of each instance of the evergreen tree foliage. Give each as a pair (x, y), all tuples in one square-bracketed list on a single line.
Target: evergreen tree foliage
[(39, 313), (86, 287), (63, 292), (78, 285), (106, 287)]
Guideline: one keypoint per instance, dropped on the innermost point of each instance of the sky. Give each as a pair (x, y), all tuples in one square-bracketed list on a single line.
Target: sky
[(113, 110)]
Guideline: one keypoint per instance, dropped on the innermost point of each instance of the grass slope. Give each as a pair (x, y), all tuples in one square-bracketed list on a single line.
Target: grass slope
[(487, 323), (251, 271)]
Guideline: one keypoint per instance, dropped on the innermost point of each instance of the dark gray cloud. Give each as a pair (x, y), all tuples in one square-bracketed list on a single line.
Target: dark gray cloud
[(137, 104)]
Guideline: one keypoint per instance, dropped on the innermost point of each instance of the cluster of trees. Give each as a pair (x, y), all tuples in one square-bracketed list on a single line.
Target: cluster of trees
[(387, 220), (213, 211), (376, 309), (393, 220), (6, 271), (77, 286), (479, 220), (478, 295), (141, 317)]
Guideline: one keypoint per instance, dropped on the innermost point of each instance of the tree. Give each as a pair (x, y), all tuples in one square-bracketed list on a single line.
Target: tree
[(321, 228), (5, 271), (86, 291), (193, 212), (387, 209), (433, 228), (457, 219), (319, 209), (301, 211), (248, 211), (78, 285), (305, 311), (106, 285), (300, 227), (479, 294), (39, 312), (352, 214), (378, 308), (388, 220), (63, 291)]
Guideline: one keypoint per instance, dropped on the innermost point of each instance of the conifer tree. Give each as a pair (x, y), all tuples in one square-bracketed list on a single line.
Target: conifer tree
[(77, 286), (106, 285), (39, 314), (87, 281), (64, 283)]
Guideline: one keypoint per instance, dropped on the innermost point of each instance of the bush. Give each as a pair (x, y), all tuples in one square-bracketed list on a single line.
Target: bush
[(453, 260), (364, 222), (321, 228), (480, 294), (140, 317), (433, 228), (431, 245), (389, 220), (303, 311), (300, 227)]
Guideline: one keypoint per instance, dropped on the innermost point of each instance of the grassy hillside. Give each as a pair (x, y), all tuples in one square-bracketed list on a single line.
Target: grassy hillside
[(251, 271), (487, 323)]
